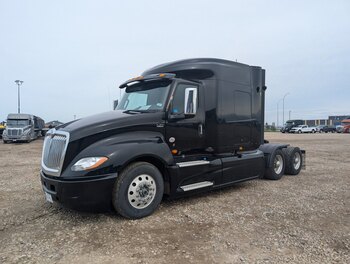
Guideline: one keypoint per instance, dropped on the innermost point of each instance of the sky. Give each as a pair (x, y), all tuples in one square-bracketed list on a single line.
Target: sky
[(72, 55)]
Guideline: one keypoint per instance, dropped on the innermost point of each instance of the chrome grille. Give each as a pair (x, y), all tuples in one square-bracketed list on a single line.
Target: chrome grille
[(14, 132), (54, 151)]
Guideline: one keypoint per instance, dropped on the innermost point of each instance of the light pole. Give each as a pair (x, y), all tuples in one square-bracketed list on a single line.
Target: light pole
[(283, 105), (278, 111), (290, 111), (19, 83)]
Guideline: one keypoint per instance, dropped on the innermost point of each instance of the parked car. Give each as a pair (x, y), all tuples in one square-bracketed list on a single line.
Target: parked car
[(50, 125), (53, 124), (303, 129), (326, 129), (320, 128)]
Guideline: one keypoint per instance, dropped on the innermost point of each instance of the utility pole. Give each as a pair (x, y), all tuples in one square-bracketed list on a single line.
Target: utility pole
[(290, 111), (278, 112), (283, 105), (19, 83)]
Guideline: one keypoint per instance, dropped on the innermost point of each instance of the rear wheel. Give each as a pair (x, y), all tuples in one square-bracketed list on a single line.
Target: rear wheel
[(138, 190), (276, 170), (294, 160)]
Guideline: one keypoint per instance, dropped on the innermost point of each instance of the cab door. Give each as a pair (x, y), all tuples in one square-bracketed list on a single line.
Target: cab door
[(185, 127)]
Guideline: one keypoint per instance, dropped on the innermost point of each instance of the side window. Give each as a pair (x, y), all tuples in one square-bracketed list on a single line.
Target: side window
[(185, 100)]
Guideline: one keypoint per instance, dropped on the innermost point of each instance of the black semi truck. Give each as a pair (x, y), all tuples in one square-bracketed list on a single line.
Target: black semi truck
[(180, 128)]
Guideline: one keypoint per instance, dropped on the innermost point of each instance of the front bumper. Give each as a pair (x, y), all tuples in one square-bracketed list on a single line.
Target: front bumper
[(15, 139), (90, 193)]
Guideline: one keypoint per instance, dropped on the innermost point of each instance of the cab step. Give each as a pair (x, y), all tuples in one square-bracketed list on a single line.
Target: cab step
[(196, 185)]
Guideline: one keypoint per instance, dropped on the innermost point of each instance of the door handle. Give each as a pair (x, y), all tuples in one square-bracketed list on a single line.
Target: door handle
[(200, 129)]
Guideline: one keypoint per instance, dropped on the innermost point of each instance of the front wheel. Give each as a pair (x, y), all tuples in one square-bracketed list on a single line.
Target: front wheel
[(138, 190), (276, 169), (299, 131)]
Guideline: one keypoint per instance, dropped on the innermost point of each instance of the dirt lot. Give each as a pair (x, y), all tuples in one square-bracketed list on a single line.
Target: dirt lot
[(299, 219)]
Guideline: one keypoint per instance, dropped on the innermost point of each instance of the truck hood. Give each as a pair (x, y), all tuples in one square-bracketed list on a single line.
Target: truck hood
[(110, 121)]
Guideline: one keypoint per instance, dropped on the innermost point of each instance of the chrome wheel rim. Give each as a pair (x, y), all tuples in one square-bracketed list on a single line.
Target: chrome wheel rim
[(296, 161), (278, 164), (142, 191)]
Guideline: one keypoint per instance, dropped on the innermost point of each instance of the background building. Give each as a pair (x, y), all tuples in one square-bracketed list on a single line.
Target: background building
[(331, 121)]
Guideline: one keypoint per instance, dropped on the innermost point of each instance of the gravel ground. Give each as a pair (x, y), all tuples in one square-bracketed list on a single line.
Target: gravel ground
[(298, 219)]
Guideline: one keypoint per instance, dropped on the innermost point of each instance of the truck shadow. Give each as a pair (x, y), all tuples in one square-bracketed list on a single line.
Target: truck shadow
[(91, 214)]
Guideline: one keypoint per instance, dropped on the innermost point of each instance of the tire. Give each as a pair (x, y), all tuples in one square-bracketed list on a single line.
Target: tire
[(299, 131), (313, 131), (138, 190), (276, 170), (294, 160), (5, 141)]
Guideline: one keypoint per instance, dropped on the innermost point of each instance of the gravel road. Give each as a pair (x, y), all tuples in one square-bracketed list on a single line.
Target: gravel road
[(298, 219)]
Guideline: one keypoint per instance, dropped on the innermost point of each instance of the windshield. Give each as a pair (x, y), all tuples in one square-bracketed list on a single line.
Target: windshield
[(17, 122), (145, 96)]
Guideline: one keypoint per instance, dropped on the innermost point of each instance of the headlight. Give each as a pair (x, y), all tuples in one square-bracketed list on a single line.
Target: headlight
[(88, 163)]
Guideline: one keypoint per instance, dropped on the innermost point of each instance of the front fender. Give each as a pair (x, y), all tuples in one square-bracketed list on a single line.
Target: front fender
[(121, 149)]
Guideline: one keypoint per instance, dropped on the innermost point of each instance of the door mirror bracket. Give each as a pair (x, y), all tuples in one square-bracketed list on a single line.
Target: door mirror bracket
[(175, 117)]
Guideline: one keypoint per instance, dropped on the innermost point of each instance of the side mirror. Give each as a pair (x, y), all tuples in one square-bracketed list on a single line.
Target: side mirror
[(190, 107)]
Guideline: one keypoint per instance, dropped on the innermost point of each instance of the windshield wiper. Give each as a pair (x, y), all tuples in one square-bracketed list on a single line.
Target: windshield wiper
[(135, 111)]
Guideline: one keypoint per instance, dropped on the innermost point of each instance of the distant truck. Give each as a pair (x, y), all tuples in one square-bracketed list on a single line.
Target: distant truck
[(22, 127), (345, 125), (303, 129), (290, 124)]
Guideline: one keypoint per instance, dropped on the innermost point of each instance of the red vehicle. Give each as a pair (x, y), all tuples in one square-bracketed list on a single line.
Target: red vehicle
[(346, 125)]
